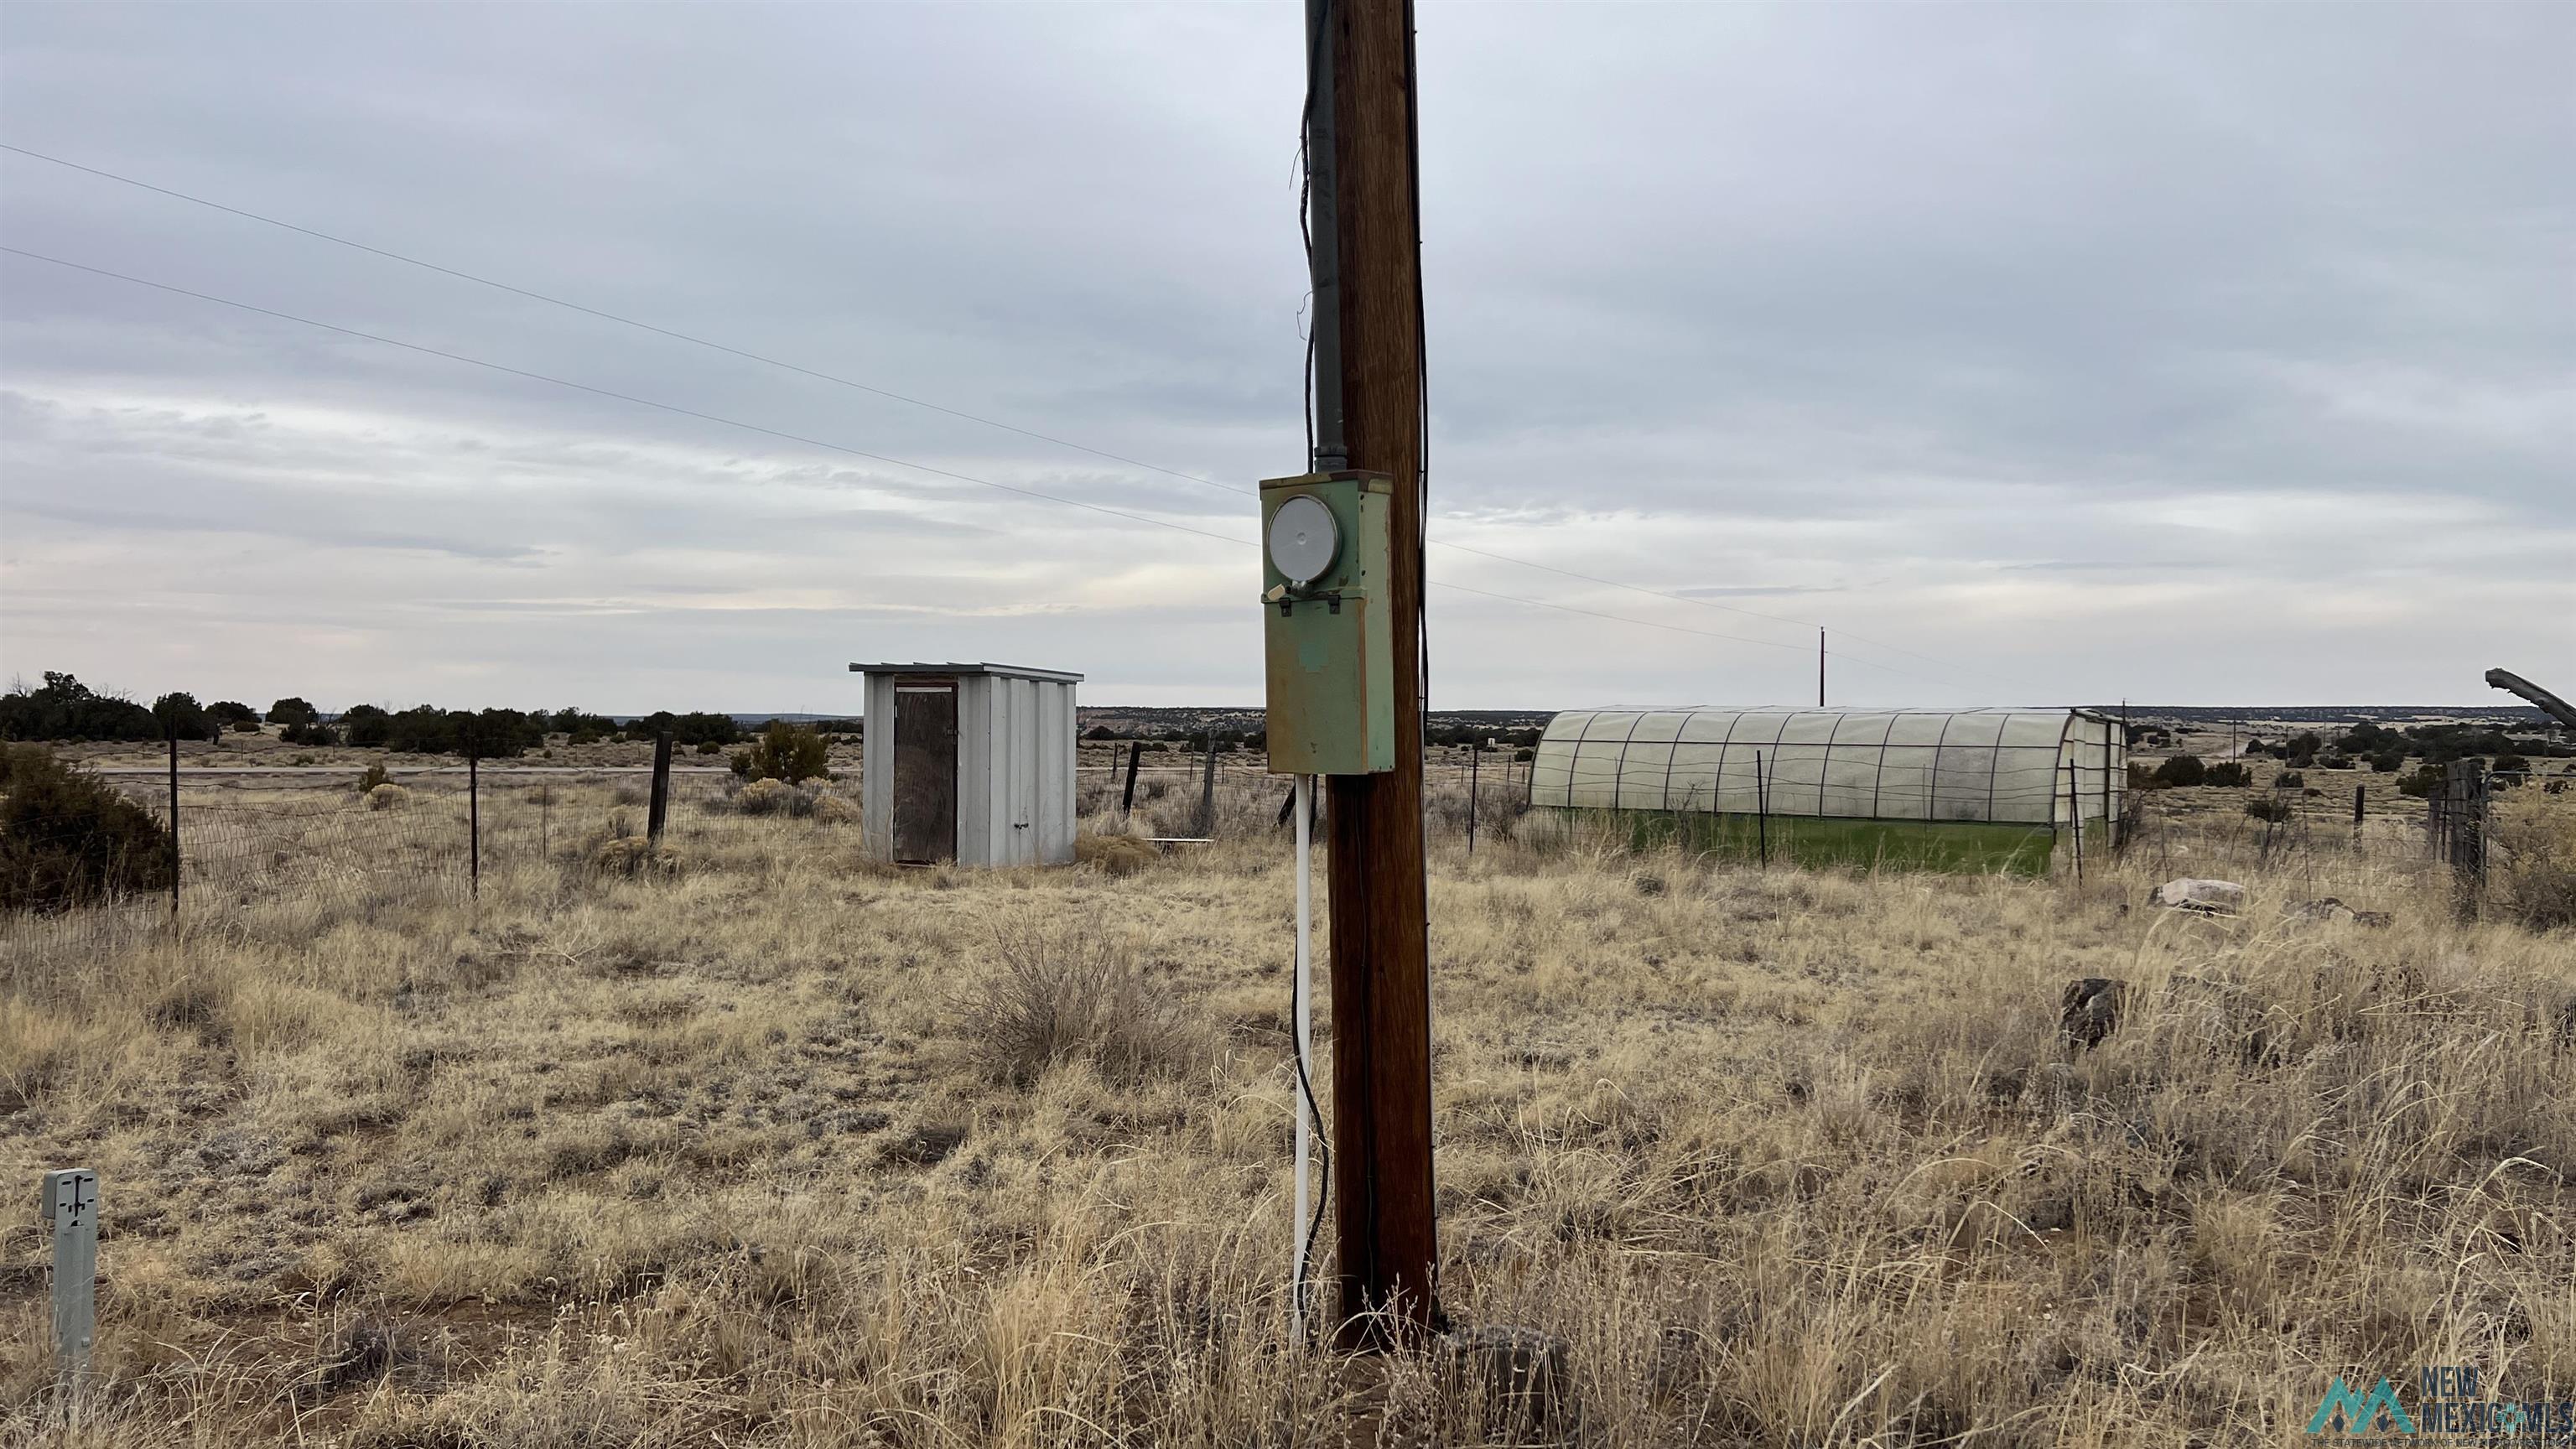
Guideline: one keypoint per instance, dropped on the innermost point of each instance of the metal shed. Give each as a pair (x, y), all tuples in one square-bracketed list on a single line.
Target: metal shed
[(967, 762)]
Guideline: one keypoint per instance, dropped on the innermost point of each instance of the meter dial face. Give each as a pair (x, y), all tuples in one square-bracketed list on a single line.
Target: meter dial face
[(1303, 540)]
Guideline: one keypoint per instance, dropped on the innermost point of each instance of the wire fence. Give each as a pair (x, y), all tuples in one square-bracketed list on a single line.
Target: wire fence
[(247, 840), (314, 836)]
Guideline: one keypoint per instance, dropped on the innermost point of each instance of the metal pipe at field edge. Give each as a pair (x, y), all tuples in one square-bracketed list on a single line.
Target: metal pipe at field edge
[(1324, 242)]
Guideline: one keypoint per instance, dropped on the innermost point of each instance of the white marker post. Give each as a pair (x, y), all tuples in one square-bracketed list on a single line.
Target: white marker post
[(71, 1205)]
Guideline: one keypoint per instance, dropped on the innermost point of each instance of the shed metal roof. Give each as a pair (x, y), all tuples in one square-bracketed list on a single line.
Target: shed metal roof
[(1007, 671)]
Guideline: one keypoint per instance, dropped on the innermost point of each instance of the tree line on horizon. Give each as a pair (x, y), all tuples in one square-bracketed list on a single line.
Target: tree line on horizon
[(64, 709)]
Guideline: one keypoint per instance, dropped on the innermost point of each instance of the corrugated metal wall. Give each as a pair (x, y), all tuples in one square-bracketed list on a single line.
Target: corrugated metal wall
[(876, 769)]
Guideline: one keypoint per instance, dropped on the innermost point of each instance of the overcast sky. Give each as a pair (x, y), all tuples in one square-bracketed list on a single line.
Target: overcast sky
[(2197, 355)]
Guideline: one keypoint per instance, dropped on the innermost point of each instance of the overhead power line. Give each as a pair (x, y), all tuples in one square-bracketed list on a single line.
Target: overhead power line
[(619, 396), (959, 413), (812, 442)]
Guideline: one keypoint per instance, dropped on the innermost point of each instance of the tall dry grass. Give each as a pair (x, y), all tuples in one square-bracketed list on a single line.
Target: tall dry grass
[(741, 1156)]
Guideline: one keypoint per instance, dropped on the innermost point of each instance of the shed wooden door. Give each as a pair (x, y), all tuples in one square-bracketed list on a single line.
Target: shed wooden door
[(925, 772)]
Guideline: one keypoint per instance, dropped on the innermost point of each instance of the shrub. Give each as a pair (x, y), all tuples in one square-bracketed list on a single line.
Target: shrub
[(763, 797), (2388, 762), (63, 708), (2533, 871), (2231, 774), (67, 838), (833, 810), (704, 728), (1114, 854), (575, 721), (789, 752), (1061, 991), (388, 797), (2510, 765), (2182, 770), (365, 725), (308, 734), (232, 714), (2288, 780), (634, 855), (2423, 782), (183, 718), (294, 710)]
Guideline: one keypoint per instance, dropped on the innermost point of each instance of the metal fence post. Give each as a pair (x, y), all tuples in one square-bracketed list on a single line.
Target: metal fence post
[(473, 819), (1762, 808), (1475, 755), (71, 1207), (2075, 821), (174, 822), (2110, 827)]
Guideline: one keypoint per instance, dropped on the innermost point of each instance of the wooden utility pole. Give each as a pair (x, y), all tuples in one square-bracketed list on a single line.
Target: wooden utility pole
[(1365, 197), (1820, 669)]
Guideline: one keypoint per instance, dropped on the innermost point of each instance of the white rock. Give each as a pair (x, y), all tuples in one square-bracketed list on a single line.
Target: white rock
[(2209, 897)]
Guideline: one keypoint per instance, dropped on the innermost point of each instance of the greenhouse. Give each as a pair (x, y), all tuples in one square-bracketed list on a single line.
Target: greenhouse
[(1976, 788)]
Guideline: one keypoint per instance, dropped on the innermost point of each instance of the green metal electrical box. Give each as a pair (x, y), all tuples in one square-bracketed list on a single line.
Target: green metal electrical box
[(1327, 635)]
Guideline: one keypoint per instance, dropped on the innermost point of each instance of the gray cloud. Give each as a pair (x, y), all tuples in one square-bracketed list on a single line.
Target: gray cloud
[(2030, 338)]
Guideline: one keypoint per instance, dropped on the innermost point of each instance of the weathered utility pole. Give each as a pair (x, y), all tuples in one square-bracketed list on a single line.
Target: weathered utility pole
[(1820, 669), (1369, 397)]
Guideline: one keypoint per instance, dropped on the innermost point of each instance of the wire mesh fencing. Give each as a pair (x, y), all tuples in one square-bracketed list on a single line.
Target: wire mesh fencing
[(249, 839)]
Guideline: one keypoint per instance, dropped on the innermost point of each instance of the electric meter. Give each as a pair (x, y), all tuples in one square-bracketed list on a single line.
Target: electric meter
[(1303, 540), (1327, 632)]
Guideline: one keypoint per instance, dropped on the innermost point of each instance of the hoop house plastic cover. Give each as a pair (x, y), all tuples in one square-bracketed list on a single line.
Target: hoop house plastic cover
[(1994, 765)]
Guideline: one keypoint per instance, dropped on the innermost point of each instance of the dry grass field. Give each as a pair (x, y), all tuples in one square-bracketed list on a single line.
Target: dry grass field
[(780, 1148)]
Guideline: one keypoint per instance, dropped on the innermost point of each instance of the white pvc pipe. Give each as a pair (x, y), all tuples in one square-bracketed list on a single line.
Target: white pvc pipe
[(1305, 1072)]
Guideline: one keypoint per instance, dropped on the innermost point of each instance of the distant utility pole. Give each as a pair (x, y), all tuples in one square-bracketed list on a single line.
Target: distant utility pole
[(1820, 669), (1367, 276)]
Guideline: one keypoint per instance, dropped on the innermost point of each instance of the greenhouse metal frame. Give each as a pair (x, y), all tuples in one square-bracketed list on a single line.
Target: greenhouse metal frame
[(2040, 768)]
